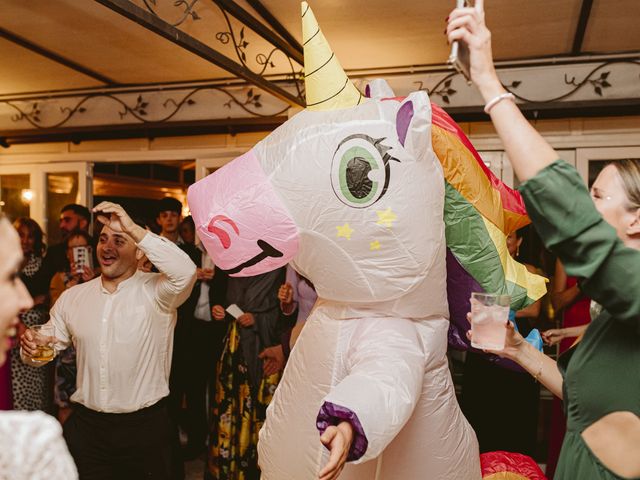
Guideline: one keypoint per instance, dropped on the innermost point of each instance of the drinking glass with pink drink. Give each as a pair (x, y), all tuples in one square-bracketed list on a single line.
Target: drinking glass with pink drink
[(489, 316)]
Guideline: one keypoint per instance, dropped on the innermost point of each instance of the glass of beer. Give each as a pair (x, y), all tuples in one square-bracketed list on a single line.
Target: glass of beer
[(44, 337), (489, 316)]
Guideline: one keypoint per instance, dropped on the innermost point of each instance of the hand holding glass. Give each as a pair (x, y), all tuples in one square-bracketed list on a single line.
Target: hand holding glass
[(489, 317), (44, 337)]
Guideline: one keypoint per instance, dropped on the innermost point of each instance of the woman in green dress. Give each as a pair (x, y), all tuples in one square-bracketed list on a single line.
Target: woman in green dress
[(597, 239)]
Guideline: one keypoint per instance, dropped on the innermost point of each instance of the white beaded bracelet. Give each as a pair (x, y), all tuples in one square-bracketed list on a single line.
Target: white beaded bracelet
[(491, 103)]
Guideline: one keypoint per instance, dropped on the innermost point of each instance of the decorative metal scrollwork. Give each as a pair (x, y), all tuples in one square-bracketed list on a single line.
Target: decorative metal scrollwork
[(239, 41), (240, 44), (32, 115), (140, 111), (598, 84), (443, 87), (187, 7)]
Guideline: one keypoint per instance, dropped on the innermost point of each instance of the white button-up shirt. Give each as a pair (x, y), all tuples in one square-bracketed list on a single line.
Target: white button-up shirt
[(124, 339)]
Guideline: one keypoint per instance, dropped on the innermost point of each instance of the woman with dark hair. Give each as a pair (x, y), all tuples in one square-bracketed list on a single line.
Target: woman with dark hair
[(597, 239), (31, 386), (76, 273)]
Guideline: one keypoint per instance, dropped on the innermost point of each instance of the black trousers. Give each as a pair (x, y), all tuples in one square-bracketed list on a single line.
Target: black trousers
[(120, 446), (197, 348)]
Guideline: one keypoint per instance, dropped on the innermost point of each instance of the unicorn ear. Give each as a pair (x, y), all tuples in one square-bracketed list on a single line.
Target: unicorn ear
[(378, 89), (327, 86), (413, 124)]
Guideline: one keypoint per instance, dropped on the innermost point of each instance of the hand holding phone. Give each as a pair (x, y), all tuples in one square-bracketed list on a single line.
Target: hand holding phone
[(459, 56), (82, 258)]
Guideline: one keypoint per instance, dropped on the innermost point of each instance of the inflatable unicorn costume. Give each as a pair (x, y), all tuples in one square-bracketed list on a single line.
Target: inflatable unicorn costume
[(350, 192)]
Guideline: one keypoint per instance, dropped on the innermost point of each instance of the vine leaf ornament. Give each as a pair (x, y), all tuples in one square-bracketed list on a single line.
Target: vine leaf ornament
[(446, 91), (252, 99), (188, 10), (442, 88), (32, 113), (240, 42), (600, 83), (31, 116)]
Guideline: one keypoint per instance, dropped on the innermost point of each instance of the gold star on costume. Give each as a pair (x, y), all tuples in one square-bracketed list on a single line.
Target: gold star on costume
[(375, 245), (344, 231), (386, 218)]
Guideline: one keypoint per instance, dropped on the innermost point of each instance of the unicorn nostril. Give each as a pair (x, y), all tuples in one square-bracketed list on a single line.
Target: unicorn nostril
[(224, 237)]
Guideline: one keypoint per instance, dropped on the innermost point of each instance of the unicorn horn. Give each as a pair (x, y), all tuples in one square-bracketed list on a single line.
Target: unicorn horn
[(327, 86)]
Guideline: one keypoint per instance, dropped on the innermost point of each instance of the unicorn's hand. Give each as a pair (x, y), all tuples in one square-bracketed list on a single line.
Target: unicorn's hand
[(338, 440)]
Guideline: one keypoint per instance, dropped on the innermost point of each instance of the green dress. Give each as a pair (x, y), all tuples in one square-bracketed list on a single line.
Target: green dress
[(602, 373)]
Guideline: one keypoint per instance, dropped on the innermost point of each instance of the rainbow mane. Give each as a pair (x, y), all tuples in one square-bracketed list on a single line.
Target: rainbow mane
[(480, 212)]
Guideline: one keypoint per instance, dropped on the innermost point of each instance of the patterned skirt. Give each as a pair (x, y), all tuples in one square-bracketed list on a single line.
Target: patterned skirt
[(32, 386), (237, 416)]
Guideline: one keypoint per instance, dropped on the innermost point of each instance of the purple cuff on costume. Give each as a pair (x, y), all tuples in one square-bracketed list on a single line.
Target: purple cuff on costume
[(332, 414)]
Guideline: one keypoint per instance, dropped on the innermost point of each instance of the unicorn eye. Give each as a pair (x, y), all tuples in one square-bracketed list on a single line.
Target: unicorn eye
[(360, 170)]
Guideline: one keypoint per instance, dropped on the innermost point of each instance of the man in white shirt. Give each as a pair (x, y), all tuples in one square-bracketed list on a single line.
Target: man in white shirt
[(121, 325)]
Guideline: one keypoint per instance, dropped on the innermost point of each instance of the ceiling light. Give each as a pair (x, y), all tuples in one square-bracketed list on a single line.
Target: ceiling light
[(27, 195)]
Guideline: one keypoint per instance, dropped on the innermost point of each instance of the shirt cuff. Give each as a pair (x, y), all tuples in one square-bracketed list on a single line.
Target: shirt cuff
[(332, 414), (148, 240)]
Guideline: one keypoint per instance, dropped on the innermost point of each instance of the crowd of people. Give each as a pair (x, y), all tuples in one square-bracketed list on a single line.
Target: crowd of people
[(222, 370), (161, 357)]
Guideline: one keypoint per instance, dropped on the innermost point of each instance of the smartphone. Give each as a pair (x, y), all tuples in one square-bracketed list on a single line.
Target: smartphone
[(82, 257), (459, 56)]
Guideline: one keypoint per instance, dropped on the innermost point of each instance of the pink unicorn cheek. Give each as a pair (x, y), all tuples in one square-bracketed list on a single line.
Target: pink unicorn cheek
[(225, 239), (241, 220)]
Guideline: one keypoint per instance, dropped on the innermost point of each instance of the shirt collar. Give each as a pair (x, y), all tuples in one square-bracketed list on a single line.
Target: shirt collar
[(121, 285)]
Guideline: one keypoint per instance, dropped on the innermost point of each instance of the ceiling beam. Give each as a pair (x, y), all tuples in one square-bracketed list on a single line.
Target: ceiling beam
[(250, 21), (581, 28), (23, 42), (191, 44), (276, 25), (137, 130)]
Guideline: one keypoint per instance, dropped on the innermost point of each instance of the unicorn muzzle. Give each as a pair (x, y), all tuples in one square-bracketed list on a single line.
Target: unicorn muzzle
[(241, 220)]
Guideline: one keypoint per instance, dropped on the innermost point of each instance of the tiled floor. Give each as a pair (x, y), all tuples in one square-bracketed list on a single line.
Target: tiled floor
[(194, 470)]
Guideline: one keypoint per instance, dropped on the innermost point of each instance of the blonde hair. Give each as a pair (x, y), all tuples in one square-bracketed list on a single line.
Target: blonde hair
[(629, 171)]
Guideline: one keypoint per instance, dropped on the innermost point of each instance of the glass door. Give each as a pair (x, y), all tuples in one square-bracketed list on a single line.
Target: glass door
[(208, 165), (40, 190)]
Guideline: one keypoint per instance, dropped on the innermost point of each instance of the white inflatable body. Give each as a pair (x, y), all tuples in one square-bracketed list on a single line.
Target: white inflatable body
[(393, 373), (376, 340), (350, 192)]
